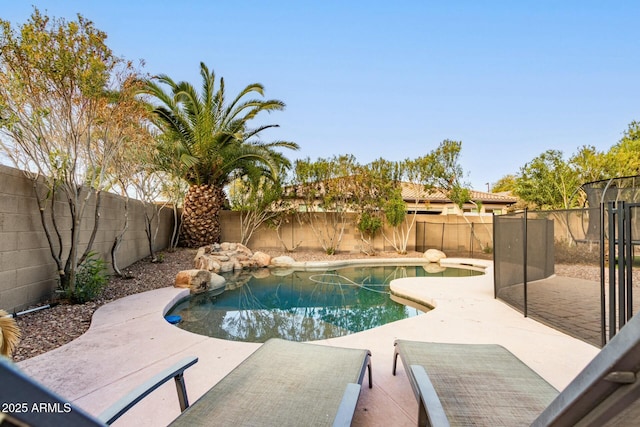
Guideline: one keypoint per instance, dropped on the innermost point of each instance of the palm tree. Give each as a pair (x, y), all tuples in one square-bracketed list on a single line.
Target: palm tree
[(207, 143)]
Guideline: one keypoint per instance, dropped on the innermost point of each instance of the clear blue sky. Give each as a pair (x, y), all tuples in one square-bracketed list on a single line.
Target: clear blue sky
[(510, 79)]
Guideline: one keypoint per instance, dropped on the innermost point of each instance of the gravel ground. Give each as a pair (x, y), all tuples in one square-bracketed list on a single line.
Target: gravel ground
[(48, 329)]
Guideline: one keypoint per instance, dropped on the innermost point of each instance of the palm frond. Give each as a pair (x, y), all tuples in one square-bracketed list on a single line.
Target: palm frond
[(208, 140)]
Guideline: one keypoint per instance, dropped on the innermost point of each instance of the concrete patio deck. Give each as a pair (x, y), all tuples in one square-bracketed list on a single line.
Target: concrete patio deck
[(129, 341)]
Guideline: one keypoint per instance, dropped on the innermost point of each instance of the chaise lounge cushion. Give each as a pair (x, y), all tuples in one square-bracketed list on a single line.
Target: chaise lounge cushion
[(478, 384), (283, 384)]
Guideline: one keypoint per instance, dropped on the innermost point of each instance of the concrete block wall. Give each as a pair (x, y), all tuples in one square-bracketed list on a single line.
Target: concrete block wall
[(27, 270), (294, 233)]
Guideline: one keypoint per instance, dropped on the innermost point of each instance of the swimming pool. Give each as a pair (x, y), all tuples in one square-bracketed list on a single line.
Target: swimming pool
[(303, 305)]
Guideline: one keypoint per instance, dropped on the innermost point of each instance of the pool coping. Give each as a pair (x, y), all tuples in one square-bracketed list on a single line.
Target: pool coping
[(129, 341), (446, 262)]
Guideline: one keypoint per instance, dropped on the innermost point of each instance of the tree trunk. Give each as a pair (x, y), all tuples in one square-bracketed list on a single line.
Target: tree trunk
[(119, 238), (201, 222)]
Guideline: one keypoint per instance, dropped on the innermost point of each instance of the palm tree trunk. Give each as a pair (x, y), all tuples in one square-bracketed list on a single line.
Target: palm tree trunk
[(201, 222)]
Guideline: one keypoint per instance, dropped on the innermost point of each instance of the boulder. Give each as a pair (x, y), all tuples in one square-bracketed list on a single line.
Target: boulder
[(226, 257), (240, 248), (282, 261), (434, 255), (247, 264), (241, 257), (201, 251), (261, 259), (226, 266), (217, 281), (197, 281), (208, 263)]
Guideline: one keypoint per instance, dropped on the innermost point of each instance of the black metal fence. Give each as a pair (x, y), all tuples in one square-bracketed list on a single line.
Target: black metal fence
[(523, 252), (546, 265), (470, 240), (562, 269), (621, 234)]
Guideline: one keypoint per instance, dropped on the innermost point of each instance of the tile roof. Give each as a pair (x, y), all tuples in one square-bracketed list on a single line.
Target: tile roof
[(411, 193)]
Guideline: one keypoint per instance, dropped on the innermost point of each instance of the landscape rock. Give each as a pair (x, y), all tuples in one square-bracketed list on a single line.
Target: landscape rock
[(227, 257), (207, 263), (217, 281), (434, 255), (261, 259), (226, 267), (201, 251), (282, 261), (240, 248), (197, 281)]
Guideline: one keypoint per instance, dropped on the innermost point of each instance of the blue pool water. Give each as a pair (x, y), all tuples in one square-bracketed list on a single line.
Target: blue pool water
[(302, 305)]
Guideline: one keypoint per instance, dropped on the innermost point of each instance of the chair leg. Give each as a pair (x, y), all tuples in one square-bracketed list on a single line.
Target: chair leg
[(395, 360), (423, 419), (182, 391)]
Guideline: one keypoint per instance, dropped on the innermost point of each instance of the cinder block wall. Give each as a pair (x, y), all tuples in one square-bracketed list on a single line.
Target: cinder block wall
[(27, 270), (294, 234), (446, 232)]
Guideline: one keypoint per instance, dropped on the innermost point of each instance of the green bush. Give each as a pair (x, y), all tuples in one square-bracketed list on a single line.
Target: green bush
[(91, 277), (369, 224)]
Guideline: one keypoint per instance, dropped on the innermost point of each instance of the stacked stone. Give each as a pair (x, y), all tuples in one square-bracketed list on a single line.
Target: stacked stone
[(219, 258), (226, 257)]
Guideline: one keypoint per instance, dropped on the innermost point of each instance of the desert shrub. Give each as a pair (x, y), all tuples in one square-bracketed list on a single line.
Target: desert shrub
[(91, 278)]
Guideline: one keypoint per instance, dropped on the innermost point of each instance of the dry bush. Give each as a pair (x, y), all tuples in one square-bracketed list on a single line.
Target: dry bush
[(577, 253)]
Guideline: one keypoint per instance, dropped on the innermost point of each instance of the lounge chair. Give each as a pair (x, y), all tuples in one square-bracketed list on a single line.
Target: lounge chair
[(471, 384), (27, 403), (282, 383), (285, 384)]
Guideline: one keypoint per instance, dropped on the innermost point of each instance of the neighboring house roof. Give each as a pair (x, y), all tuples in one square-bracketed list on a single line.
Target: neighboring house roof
[(412, 192)]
